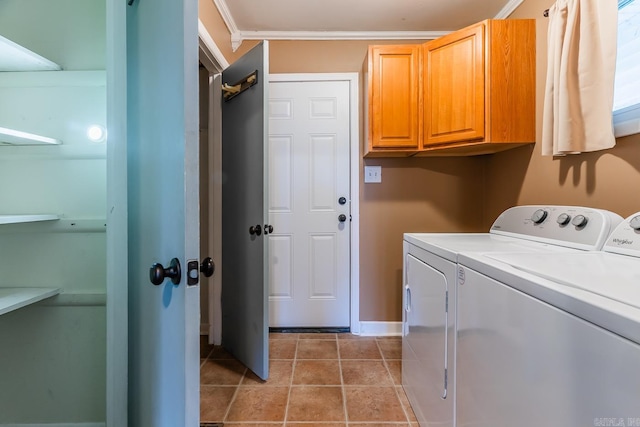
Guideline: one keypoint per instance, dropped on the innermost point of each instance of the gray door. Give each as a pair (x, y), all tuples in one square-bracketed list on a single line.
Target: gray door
[(245, 316), (163, 218)]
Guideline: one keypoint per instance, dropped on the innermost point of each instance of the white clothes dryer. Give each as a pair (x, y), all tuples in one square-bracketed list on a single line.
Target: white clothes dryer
[(429, 298), (551, 338)]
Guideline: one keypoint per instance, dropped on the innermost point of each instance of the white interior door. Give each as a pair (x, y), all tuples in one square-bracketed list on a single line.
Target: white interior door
[(309, 203), (162, 183)]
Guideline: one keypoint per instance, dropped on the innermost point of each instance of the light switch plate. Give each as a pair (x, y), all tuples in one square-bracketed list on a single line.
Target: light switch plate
[(373, 174)]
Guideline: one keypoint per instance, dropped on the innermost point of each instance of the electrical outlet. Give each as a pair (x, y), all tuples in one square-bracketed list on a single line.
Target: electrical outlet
[(373, 174)]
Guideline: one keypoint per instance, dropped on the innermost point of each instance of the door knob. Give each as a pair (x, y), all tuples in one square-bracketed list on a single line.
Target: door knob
[(342, 200), (157, 273), (268, 229), (207, 267), (255, 230), (342, 217)]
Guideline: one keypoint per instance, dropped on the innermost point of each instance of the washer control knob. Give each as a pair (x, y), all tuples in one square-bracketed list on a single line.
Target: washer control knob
[(580, 221), (563, 219), (539, 216), (635, 222)]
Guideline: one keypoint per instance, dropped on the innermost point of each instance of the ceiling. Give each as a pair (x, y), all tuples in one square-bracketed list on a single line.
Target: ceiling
[(354, 19)]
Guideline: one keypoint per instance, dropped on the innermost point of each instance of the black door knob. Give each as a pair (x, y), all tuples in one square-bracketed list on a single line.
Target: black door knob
[(207, 267), (255, 230), (268, 229), (342, 200), (157, 273), (342, 217)]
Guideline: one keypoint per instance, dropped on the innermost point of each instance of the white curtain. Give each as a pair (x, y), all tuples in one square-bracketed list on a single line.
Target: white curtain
[(580, 76)]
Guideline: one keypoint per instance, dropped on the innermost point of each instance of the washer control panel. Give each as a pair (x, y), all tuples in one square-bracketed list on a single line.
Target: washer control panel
[(571, 226)]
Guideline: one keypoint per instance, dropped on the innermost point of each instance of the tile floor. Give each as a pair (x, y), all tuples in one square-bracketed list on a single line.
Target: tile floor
[(327, 380)]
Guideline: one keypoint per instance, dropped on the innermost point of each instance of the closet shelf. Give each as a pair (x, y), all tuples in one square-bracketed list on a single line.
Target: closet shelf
[(18, 219), (16, 137), (14, 57), (14, 298)]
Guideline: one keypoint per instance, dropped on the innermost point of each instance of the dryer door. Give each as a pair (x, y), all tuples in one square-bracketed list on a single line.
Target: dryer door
[(424, 367)]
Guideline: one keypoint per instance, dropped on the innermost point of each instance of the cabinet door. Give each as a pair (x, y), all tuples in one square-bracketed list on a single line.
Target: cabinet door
[(394, 97), (455, 87)]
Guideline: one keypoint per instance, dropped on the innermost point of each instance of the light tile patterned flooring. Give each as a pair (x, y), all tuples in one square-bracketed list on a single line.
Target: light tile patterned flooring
[(327, 380)]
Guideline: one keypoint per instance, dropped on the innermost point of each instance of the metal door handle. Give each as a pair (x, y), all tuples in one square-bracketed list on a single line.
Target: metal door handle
[(207, 267), (255, 230), (157, 273), (268, 229), (342, 217)]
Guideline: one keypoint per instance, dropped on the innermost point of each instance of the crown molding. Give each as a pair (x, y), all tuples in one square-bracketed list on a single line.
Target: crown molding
[(222, 7), (508, 9), (340, 35), (238, 36)]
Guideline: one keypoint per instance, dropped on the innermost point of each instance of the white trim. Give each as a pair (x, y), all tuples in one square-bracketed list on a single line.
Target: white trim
[(354, 84), (354, 123), (214, 133), (209, 47), (57, 425), (223, 9), (381, 329), (226, 15), (341, 35), (238, 36), (117, 238), (508, 9), (626, 121)]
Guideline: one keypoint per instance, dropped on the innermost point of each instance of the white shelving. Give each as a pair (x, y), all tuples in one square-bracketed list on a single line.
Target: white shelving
[(16, 137), (19, 219), (14, 298), (14, 57)]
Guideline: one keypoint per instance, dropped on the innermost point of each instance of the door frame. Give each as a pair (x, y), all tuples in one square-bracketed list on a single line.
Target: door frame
[(214, 61), (215, 318), (117, 317)]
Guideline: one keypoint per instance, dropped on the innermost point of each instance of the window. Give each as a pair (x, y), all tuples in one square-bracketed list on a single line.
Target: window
[(626, 101)]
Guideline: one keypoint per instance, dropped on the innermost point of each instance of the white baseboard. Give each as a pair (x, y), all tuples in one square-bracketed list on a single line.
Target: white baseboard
[(56, 425), (204, 329), (381, 329)]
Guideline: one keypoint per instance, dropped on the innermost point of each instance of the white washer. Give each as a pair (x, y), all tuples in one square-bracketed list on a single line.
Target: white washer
[(430, 277), (551, 339)]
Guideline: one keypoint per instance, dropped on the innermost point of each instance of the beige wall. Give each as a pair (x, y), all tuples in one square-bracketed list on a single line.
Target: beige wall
[(605, 179), (416, 195), (454, 194)]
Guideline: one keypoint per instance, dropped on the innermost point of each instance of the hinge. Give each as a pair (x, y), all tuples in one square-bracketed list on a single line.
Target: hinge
[(446, 302), (446, 380)]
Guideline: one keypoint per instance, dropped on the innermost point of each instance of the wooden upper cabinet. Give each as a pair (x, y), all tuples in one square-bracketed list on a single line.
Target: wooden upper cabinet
[(480, 88), (394, 100), (470, 92), (455, 87)]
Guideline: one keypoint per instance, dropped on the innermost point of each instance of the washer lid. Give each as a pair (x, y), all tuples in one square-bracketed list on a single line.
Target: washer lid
[(616, 277), (599, 287)]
